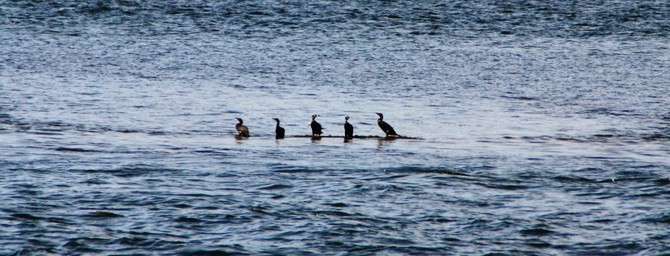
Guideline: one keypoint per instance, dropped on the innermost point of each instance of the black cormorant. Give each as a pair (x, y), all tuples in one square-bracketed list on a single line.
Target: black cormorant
[(316, 127), (279, 131), (385, 126), (242, 129), (348, 129)]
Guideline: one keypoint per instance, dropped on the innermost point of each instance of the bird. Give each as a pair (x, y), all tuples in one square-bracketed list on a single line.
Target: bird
[(348, 129), (316, 127), (241, 129), (388, 130), (279, 131)]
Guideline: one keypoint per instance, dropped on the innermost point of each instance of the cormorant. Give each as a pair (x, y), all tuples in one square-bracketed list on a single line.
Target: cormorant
[(348, 129), (279, 131), (242, 129), (385, 126), (316, 127)]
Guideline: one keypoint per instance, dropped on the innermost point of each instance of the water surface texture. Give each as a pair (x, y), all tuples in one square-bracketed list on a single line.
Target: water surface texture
[(544, 126)]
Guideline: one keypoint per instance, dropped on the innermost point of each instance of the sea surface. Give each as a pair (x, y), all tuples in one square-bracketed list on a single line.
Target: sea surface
[(542, 127)]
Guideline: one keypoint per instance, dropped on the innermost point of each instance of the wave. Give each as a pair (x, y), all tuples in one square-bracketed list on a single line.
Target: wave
[(130, 171), (258, 18)]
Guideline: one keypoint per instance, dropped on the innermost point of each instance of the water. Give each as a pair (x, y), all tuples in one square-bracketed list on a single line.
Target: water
[(544, 126)]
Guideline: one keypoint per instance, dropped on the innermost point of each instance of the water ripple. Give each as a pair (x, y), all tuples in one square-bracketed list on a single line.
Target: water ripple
[(536, 128)]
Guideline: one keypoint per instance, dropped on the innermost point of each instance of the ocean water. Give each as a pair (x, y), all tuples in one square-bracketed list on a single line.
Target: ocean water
[(543, 127)]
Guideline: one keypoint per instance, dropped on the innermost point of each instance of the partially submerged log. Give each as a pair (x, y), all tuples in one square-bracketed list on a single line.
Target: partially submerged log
[(364, 137)]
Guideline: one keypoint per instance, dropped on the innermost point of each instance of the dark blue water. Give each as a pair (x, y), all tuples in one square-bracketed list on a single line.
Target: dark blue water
[(544, 127)]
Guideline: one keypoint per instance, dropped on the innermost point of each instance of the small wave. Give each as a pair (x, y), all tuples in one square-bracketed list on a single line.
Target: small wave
[(657, 137), (25, 216), (607, 247), (537, 243), (157, 133), (78, 150), (95, 181), (104, 214), (5, 119), (95, 8), (135, 241), (541, 230), (430, 170), (276, 187), (232, 250), (661, 219), (643, 174), (56, 128), (59, 220), (436, 219), (573, 179), (296, 170), (498, 185), (182, 206), (81, 245), (184, 219), (333, 213), (662, 182), (522, 98), (128, 131), (129, 172), (338, 205)]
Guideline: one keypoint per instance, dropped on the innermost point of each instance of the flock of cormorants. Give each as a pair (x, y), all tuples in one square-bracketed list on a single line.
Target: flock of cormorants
[(317, 129)]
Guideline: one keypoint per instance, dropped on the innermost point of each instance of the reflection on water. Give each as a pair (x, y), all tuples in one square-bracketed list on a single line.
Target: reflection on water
[(239, 137), (384, 142)]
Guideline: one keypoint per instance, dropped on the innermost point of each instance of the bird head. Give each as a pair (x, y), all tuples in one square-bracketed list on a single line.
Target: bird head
[(346, 118), (276, 119), (381, 116), (239, 119)]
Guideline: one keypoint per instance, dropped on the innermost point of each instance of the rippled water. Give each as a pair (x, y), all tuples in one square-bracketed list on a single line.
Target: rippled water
[(544, 127)]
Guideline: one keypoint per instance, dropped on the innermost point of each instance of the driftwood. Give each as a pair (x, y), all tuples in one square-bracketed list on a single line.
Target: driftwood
[(356, 137), (364, 137)]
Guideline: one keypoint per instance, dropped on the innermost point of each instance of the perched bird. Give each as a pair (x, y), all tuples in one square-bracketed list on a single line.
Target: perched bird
[(316, 127), (348, 129), (385, 126), (242, 129), (279, 131)]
